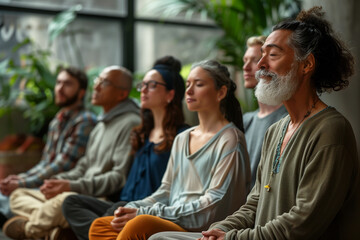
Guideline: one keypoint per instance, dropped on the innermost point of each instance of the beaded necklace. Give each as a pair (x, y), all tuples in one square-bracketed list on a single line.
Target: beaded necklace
[(278, 158)]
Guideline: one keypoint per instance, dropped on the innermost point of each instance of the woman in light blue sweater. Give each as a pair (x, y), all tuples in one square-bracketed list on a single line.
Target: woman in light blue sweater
[(208, 174)]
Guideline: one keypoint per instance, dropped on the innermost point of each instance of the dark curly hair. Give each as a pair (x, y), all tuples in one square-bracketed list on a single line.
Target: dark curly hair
[(229, 106), (334, 63), (174, 118)]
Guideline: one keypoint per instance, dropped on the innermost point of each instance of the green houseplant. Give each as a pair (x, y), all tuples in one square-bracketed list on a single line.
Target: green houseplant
[(27, 83), (27, 86), (239, 19)]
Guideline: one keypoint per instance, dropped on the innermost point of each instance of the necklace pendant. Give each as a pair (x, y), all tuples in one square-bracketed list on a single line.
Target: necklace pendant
[(267, 187)]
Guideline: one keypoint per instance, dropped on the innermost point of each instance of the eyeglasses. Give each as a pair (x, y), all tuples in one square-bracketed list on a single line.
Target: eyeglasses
[(103, 82), (151, 85)]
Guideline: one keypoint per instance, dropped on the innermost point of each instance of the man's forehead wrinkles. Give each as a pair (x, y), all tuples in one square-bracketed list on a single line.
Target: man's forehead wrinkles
[(271, 45)]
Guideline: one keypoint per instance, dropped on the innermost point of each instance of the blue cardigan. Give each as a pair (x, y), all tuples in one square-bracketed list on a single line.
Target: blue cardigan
[(146, 172)]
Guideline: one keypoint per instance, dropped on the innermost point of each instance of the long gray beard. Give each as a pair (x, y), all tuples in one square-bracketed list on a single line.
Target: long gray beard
[(278, 89)]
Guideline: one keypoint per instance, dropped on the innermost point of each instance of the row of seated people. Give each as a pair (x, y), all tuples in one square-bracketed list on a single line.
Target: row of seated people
[(204, 174)]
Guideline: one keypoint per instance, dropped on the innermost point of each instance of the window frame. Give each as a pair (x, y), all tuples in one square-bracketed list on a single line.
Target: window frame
[(127, 22)]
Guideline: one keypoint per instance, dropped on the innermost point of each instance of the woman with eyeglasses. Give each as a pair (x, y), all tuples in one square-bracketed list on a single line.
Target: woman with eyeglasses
[(162, 91), (208, 174)]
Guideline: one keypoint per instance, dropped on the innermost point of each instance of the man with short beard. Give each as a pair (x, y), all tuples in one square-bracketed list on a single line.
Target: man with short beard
[(66, 138), (257, 122), (308, 180), (101, 172)]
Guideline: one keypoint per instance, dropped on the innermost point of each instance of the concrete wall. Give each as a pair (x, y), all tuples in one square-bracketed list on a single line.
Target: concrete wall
[(345, 17)]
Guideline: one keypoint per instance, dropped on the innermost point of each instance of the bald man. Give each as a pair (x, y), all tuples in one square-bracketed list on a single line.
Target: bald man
[(100, 173)]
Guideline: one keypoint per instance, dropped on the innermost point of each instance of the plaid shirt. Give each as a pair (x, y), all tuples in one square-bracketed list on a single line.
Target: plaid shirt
[(66, 143)]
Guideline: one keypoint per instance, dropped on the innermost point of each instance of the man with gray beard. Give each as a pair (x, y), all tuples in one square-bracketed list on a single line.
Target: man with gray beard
[(308, 180), (279, 89)]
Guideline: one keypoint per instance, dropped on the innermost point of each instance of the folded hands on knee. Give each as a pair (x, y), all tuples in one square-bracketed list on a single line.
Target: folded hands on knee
[(121, 216), (213, 234)]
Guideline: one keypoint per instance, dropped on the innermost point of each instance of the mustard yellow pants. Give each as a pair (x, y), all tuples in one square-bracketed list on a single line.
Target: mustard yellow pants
[(140, 227)]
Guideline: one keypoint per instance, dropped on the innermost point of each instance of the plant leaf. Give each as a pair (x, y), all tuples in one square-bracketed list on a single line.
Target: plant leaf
[(61, 21)]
